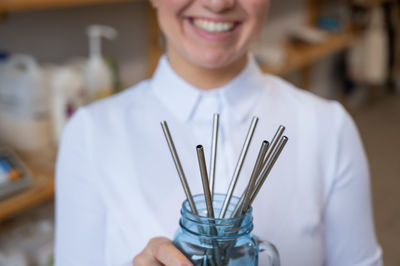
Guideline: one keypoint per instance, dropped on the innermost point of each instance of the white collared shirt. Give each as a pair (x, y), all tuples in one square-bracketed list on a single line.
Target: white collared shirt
[(117, 186)]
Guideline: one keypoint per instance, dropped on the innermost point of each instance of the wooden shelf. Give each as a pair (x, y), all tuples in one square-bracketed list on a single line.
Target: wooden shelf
[(42, 190), (25, 5), (301, 56), (372, 3)]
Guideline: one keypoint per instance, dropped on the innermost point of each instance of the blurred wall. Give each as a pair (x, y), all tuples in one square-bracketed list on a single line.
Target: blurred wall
[(280, 8), (56, 35)]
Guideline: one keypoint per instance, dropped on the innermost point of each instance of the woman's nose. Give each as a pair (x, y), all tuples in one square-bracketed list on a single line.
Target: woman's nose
[(218, 6)]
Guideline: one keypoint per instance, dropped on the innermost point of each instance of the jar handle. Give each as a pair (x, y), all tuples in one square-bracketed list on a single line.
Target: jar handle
[(270, 250)]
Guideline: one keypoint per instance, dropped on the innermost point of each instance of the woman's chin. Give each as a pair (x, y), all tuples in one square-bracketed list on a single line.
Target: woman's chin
[(213, 61)]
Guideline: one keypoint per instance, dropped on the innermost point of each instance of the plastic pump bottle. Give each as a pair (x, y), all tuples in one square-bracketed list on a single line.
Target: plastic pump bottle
[(98, 76), (376, 49)]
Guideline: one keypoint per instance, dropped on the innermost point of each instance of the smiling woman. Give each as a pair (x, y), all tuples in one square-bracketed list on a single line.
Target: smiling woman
[(210, 35), (118, 194)]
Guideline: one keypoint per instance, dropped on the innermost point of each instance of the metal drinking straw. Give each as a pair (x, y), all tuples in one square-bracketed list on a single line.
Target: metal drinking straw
[(242, 206), (204, 180), (238, 167), (209, 204), (267, 169), (245, 198), (274, 141), (178, 166), (213, 153), (270, 149)]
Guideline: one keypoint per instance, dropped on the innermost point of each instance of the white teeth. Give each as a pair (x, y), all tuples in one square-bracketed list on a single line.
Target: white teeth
[(212, 26)]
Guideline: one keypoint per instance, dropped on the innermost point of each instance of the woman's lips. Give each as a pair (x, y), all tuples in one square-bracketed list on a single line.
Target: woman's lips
[(213, 26), (213, 29)]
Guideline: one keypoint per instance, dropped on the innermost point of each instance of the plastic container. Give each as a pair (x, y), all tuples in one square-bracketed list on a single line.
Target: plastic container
[(24, 105), (98, 75), (376, 50), (368, 60), (67, 95)]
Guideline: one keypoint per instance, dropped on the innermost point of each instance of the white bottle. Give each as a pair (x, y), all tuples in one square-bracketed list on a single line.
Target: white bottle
[(98, 76), (368, 58), (24, 105), (67, 87), (376, 49)]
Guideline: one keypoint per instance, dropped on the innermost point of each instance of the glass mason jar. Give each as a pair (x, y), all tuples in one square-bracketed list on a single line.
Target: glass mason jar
[(216, 242)]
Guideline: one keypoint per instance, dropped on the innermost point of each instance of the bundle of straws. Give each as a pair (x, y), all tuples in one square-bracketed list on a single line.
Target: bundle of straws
[(267, 156)]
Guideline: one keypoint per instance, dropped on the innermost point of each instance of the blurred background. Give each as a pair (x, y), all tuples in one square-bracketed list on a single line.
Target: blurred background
[(56, 56)]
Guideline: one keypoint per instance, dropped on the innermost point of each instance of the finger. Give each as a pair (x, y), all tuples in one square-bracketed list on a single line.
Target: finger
[(166, 253), (145, 260)]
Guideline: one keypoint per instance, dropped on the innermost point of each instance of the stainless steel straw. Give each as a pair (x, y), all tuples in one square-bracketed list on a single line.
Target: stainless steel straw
[(260, 182), (178, 166), (270, 149), (274, 141), (213, 153), (209, 205), (238, 167), (267, 169), (204, 180), (245, 198)]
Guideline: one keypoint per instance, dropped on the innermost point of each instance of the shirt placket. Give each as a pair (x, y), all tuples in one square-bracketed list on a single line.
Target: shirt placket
[(202, 119)]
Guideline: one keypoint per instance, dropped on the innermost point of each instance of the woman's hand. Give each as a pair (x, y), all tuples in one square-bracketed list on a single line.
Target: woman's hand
[(161, 251)]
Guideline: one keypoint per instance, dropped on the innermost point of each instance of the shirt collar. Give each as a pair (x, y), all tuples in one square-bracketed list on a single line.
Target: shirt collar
[(180, 97)]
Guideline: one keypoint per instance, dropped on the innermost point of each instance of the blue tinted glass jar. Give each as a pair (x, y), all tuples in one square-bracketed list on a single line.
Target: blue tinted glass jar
[(216, 242)]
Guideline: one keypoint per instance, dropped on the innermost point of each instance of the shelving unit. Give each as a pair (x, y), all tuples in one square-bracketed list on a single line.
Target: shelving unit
[(372, 3), (301, 56), (26, 5), (42, 190)]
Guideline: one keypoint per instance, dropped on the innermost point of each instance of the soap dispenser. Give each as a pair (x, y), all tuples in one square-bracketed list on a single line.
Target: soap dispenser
[(98, 75)]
